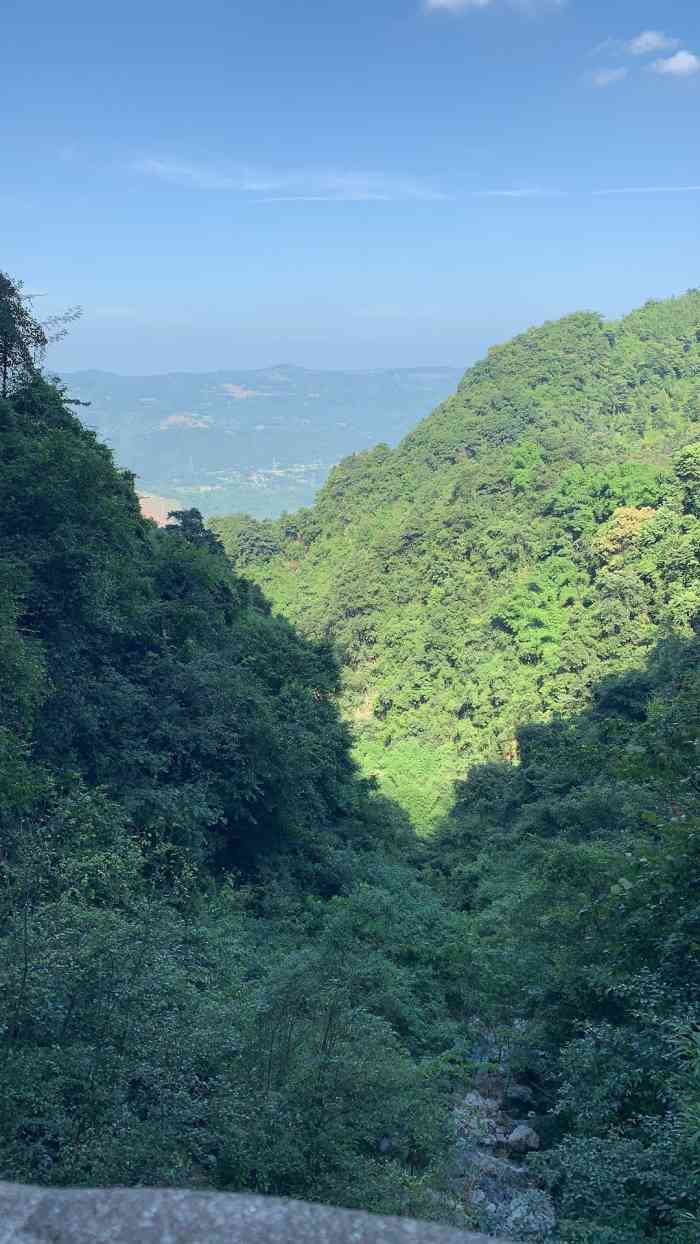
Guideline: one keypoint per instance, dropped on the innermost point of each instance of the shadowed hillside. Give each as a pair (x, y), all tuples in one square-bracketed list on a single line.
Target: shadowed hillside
[(198, 894)]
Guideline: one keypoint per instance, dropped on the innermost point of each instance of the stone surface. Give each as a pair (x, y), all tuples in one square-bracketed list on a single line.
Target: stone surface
[(153, 1216), (523, 1139), (477, 1119), (526, 1215), (500, 1170), (530, 1216), (494, 1179), (485, 1105)]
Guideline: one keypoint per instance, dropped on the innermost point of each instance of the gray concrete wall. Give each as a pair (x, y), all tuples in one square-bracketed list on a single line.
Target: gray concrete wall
[(146, 1216)]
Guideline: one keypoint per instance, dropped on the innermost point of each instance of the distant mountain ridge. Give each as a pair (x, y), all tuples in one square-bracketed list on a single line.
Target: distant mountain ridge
[(260, 440)]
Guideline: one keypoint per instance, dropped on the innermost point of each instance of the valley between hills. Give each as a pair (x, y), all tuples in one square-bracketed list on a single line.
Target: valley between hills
[(352, 854)]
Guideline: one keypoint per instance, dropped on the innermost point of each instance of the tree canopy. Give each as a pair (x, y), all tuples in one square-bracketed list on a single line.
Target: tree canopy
[(513, 594), (535, 534), (227, 959)]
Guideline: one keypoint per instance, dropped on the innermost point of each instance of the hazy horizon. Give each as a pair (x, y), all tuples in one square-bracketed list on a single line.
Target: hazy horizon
[(349, 187), (241, 367)]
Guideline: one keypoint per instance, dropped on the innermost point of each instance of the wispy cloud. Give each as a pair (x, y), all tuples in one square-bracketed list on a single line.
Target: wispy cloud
[(287, 186), (540, 192), (650, 41), (682, 65), (530, 7), (607, 77), (521, 192), (332, 186), (199, 176), (456, 6), (350, 187), (646, 190)]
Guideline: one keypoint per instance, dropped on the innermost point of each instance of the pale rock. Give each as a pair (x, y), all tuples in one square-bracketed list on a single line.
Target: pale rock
[(530, 1217), (480, 1104), (523, 1139)]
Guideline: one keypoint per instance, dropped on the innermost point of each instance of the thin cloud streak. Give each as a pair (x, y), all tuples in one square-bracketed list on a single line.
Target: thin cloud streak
[(596, 194), (607, 77), (356, 197), (352, 187), (289, 186), (198, 177), (519, 193), (646, 190), (455, 6), (530, 8)]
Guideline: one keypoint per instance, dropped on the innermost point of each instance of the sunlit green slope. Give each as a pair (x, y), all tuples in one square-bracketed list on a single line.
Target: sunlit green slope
[(530, 536)]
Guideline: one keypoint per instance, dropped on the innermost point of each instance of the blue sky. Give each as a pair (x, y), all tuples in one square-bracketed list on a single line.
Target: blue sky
[(344, 183)]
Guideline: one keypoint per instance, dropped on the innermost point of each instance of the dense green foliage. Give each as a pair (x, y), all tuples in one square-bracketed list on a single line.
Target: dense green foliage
[(513, 592), (161, 676), (580, 870), (198, 895), (526, 540), (226, 958)]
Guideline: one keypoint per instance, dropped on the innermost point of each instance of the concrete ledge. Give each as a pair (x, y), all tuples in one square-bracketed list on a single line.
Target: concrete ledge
[(164, 1216)]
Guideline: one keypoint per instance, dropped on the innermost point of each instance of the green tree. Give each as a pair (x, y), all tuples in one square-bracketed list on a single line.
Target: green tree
[(22, 338)]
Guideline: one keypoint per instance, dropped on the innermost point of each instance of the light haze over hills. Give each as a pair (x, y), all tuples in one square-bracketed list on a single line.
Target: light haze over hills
[(256, 440)]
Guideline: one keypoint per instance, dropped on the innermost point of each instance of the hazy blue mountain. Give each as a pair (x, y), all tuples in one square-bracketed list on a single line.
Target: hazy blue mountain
[(261, 441)]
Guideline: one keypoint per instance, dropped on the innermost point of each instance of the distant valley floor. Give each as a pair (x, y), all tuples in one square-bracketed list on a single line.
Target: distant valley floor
[(257, 441)]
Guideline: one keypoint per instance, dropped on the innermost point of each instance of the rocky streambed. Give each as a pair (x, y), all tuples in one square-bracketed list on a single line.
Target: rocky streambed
[(494, 1135)]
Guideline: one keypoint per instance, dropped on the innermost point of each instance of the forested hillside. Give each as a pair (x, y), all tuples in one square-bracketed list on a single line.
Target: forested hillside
[(227, 960), (514, 594), (528, 539), (218, 967)]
